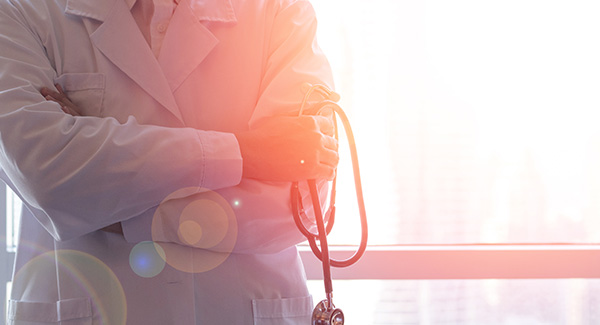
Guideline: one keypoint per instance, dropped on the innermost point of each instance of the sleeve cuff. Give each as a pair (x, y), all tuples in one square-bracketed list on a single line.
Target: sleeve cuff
[(222, 160)]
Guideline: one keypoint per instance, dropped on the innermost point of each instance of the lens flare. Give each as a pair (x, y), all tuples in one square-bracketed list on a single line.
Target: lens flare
[(197, 229), (147, 259), (206, 213), (88, 279), (190, 232)]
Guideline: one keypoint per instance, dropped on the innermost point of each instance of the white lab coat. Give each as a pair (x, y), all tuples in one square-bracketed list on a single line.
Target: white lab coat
[(151, 127)]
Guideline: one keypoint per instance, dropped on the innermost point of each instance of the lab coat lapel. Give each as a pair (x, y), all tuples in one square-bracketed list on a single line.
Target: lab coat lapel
[(188, 41), (121, 41)]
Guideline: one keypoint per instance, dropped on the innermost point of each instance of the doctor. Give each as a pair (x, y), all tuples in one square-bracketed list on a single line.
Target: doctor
[(159, 192)]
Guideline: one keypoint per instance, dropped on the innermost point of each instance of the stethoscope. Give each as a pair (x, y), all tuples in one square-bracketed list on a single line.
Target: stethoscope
[(325, 313)]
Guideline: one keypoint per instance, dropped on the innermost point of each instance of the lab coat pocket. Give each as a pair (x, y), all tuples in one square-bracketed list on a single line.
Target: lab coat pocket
[(288, 311), (76, 311), (85, 90)]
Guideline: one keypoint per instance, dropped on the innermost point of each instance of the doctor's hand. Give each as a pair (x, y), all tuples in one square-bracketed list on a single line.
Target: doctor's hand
[(290, 149), (61, 98)]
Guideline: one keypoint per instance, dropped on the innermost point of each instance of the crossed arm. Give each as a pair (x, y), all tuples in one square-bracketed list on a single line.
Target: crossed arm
[(71, 171), (280, 149)]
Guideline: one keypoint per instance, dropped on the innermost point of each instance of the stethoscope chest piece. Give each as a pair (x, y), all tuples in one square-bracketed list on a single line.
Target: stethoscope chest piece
[(322, 315)]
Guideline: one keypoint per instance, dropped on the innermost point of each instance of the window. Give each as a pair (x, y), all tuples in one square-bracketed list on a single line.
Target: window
[(475, 123), (476, 126)]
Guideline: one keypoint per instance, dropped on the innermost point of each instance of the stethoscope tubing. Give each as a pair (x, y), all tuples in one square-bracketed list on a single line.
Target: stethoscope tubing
[(325, 312), (322, 235), (322, 229)]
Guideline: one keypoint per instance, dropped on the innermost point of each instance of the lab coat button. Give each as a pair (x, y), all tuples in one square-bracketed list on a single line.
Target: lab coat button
[(161, 27)]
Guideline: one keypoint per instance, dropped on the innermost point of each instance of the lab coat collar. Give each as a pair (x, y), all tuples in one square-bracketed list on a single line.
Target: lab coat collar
[(119, 38), (121, 41), (130, 3), (94, 9), (204, 10), (179, 59)]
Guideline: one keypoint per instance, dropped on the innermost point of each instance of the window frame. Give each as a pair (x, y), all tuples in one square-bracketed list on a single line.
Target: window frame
[(6, 257), (477, 261)]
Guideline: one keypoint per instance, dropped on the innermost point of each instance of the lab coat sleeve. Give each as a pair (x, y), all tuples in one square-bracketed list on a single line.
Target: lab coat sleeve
[(295, 59), (263, 216), (79, 174)]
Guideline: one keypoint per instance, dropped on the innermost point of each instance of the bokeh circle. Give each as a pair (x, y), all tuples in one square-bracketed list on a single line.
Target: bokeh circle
[(196, 228), (147, 259), (85, 276)]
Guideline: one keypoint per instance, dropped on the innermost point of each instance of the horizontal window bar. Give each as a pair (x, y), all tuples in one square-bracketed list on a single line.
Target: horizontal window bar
[(421, 262)]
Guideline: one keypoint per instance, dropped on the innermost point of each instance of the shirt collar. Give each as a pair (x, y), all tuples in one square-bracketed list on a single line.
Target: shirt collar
[(212, 10), (131, 3)]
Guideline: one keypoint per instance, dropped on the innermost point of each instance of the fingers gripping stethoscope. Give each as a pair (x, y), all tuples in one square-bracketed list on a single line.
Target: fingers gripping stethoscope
[(325, 312)]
